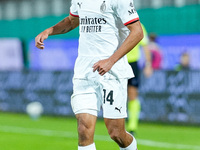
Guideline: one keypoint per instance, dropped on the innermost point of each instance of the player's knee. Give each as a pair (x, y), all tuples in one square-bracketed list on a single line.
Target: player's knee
[(114, 135), (83, 133), (83, 130), (117, 137), (86, 134)]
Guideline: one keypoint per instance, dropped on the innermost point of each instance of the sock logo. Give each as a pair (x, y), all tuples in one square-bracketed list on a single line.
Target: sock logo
[(119, 109)]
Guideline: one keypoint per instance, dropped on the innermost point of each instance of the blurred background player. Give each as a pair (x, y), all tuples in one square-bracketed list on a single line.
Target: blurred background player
[(133, 83), (184, 62), (156, 56)]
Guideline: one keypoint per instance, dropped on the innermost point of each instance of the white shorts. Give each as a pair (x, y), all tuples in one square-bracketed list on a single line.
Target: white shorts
[(91, 95)]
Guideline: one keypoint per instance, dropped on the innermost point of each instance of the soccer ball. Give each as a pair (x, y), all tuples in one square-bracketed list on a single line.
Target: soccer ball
[(34, 110)]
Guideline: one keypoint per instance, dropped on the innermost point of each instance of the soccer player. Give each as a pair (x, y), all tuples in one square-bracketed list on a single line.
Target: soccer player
[(108, 29), (133, 83)]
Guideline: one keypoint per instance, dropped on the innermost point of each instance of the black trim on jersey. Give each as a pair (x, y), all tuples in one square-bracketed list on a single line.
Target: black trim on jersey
[(132, 22)]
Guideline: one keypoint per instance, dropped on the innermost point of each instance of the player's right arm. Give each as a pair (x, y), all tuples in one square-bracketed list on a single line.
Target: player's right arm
[(64, 26)]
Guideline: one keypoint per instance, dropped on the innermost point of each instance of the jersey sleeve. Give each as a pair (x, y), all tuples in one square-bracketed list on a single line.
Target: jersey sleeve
[(125, 9), (74, 9)]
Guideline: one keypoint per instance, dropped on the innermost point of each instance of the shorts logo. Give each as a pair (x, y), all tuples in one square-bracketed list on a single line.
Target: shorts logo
[(103, 7), (119, 109)]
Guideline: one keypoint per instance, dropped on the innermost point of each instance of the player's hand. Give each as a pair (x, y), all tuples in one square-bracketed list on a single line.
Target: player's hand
[(39, 40), (103, 66), (148, 71)]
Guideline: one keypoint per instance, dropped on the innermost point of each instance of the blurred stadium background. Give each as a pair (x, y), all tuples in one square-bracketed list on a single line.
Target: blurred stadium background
[(28, 74)]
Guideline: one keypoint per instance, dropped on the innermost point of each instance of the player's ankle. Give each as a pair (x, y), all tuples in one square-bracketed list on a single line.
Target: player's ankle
[(132, 146)]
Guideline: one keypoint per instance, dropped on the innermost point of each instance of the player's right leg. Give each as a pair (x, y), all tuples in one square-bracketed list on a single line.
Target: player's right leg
[(85, 106), (86, 127)]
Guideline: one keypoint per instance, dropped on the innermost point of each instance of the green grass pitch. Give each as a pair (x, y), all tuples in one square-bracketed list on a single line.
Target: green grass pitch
[(19, 132)]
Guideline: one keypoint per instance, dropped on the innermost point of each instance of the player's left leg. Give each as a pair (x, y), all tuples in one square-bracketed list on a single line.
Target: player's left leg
[(117, 132), (114, 95)]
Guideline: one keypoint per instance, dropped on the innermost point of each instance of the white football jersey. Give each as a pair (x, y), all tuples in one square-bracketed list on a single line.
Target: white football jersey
[(102, 28)]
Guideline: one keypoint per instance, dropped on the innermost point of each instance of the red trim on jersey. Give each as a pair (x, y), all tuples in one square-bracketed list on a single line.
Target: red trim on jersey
[(131, 21), (74, 15)]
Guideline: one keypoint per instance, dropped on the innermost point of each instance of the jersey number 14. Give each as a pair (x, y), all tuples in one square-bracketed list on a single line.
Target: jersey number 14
[(109, 97)]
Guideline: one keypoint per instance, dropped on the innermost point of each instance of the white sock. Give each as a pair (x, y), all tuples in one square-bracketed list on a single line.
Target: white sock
[(132, 146), (89, 147)]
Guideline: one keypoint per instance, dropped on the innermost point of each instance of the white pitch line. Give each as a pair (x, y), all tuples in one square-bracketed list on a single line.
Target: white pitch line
[(52, 133)]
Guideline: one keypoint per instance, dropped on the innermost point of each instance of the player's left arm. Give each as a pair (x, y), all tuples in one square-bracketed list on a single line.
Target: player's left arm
[(135, 36)]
